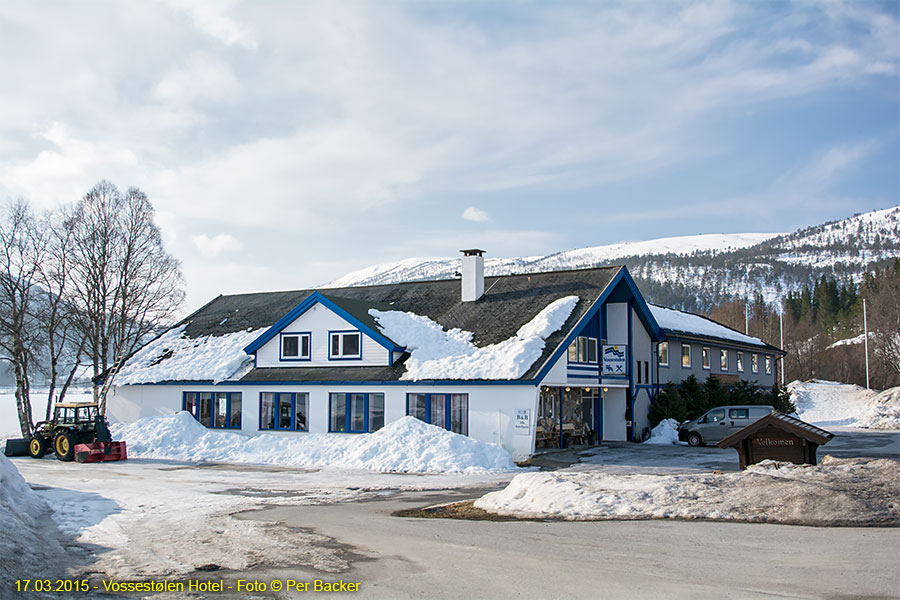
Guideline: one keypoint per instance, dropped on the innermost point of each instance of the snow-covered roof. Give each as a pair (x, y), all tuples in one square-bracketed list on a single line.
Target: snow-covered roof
[(521, 319), (680, 322)]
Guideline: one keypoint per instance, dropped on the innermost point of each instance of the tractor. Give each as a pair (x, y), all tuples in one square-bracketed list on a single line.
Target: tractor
[(77, 431)]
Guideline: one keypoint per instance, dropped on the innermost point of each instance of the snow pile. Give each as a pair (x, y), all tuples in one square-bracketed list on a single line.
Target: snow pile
[(439, 354), (174, 357), (404, 446), (882, 411), (676, 320), (23, 546), (837, 492), (664, 433), (827, 403)]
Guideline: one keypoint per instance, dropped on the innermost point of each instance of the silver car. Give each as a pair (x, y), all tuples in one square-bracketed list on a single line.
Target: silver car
[(719, 423)]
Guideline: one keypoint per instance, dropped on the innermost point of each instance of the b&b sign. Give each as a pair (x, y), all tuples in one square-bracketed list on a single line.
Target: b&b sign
[(614, 362)]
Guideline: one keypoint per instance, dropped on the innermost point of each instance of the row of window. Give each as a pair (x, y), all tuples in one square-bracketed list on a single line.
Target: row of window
[(583, 350), (353, 412), (663, 355), (342, 345)]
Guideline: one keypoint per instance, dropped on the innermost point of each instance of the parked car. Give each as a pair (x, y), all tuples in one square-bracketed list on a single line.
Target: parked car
[(719, 423)]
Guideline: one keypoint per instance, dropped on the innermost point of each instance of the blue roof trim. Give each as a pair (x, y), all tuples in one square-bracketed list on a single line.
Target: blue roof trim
[(431, 382), (313, 299), (656, 332)]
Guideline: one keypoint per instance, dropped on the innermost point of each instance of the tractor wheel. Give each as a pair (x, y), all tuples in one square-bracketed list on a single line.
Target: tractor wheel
[(37, 447), (64, 445)]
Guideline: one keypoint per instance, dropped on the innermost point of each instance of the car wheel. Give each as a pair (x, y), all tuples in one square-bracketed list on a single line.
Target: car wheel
[(64, 446), (37, 447), (694, 439)]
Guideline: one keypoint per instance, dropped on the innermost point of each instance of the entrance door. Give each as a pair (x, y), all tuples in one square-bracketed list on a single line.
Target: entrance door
[(614, 415)]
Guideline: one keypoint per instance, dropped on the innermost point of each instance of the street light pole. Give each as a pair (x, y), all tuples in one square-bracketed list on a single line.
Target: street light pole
[(866, 340)]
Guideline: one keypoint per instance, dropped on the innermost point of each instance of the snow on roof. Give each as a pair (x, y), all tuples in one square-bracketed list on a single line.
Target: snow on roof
[(439, 354), (406, 445), (683, 322), (175, 357)]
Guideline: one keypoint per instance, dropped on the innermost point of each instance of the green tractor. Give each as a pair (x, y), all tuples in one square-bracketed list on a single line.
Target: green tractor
[(77, 431)]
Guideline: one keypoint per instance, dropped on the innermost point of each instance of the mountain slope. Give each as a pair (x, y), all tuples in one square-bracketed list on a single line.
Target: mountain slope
[(698, 272)]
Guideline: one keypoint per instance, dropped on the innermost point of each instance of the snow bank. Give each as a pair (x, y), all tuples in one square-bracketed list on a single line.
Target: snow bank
[(882, 411), (439, 354), (174, 357), (664, 433), (676, 320), (828, 403), (405, 446), (837, 492), (23, 546)]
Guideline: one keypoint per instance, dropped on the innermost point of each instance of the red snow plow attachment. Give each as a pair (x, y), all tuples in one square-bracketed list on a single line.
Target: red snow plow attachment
[(100, 452)]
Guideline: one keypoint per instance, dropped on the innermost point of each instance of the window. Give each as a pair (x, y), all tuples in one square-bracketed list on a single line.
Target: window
[(646, 371), (344, 345), (583, 350), (714, 416), (705, 357), (768, 365), (355, 412), (723, 360), (450, 411), (740, 362), (295, 346), (739, 413), (284, 410), (221, 410), (754, 363), (638, 371), (686, 356), (662, 353)]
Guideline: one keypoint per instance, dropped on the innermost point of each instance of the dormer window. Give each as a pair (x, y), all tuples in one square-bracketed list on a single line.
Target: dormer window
[(295, 346), (344, 345)]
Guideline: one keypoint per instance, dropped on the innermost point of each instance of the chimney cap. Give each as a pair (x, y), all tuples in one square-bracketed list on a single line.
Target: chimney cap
[(472, 252)]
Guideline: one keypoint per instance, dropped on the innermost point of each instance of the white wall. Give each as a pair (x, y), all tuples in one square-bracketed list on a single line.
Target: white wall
[(319, 320), (617, 323), (492, 408)]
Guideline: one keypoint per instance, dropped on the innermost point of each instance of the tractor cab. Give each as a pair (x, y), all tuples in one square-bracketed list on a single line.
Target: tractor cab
[(77, 431)]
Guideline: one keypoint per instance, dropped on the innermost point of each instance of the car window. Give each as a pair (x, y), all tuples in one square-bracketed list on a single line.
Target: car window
[(739, 413), (714, 416)]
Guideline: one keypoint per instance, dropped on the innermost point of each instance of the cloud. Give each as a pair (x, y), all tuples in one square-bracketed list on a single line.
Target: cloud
[(209, 17), (203, 77), (475, 214), (212, 247)]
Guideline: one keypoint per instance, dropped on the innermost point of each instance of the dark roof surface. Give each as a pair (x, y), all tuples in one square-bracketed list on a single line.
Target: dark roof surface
[(509, 302)]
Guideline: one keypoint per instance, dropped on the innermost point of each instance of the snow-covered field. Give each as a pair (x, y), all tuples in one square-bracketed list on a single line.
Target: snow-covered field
[(836, 492), (407, 445), (827, 403)]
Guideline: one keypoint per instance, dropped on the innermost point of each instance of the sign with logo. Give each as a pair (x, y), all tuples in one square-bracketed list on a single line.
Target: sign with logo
[(614, 360), (523, 420)]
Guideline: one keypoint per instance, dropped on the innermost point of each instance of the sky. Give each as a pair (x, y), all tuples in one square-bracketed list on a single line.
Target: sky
[(284, 144)]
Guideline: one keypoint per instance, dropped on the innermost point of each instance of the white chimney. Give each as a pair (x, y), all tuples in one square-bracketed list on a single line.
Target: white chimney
[(472, 274)]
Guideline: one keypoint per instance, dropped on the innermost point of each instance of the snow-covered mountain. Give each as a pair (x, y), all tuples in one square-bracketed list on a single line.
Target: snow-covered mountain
[(697, 272)]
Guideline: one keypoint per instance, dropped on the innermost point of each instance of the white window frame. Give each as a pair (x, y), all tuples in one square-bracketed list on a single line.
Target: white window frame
[(754, 363), (768, 364), (587, 344), (704, 358), (688, 355), (740, 362), (300, 337), (663, 347), (340, 335), (723, 360)]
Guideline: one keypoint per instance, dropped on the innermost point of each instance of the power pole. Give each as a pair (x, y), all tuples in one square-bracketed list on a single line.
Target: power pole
[(781, 327), (746, 318), (866, 340)]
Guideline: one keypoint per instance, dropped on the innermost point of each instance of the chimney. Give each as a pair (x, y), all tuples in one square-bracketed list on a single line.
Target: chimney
[(472, 274)]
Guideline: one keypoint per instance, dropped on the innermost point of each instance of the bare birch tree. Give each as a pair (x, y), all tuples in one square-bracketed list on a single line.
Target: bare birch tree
[(125, 283), (23, 249)]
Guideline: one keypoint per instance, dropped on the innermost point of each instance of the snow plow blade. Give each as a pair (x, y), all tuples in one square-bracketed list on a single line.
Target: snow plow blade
[(16, 447), (100, 452)]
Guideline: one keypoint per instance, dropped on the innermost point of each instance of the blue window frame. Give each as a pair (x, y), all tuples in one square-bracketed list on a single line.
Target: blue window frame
[(217, 410), (345, 345), (583, 350), (450, 411), (295, 346), (287, 411), (355, 412)]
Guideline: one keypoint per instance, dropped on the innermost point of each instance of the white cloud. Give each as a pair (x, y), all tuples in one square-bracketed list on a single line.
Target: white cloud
[(212, 247), (475, 214), (209, 17), (203, 77)]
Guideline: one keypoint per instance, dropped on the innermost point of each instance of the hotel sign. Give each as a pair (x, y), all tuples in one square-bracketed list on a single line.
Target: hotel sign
[(614, 360)]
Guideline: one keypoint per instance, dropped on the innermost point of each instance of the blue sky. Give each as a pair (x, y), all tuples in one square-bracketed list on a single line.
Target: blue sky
[(285, 144)]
